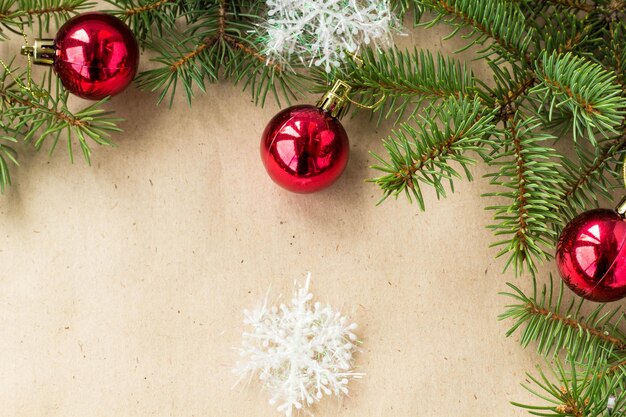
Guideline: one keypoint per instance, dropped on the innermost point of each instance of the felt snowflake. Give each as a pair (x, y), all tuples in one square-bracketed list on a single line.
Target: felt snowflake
[(299, 352), (320, 32)]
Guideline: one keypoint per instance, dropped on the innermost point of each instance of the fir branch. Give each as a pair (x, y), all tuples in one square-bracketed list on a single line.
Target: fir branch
[(41, 113), (182, 60), (576, 393), (139, 9), (565, 32), (248, 67), (251, 52), (197, 55), (592, 176), (543, 319), (593, 345), (53, 7), (511, 88), (579, 37), (404, 78), (44, 12), (149, 18), (585, 89), (528, 173), (420, 152), (573, 5), (495, 20), (518, 90)]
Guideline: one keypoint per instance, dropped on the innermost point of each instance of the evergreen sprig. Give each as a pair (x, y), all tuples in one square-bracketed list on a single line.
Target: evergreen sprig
[(528, 172), (421, 151), (543, 319), (577, 391), (221, 43), (41, 113), (592, 177), (41, 15), (593, 344), (498, 26), (150, 19), (586, 90)]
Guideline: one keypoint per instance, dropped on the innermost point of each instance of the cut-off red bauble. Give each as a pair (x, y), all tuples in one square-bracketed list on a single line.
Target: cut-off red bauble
[(591, 255), (95, 55), (304, 149)]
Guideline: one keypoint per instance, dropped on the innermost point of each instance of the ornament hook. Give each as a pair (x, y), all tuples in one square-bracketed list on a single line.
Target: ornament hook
[(335, 100), (29, 52), (380, 101)]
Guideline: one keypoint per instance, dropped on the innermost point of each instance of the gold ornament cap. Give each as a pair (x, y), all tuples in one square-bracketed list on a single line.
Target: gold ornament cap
[(42, 51), (335, 101)]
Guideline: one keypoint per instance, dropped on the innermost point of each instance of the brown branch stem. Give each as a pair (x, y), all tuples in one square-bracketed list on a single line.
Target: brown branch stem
[(521, 181), (606, 155), (49, 10), (445, 148), (147, 7), (616, 342), (589, 108), (578, 5), (617, 366), (222, 36), (450, 9), (570, 405), (71, 120)]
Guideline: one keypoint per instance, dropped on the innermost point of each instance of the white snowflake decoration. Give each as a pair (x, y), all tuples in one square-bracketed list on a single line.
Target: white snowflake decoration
[(300, 352), (320, 32)]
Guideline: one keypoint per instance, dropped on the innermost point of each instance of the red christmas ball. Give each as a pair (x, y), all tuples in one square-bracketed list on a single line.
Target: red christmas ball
[(304, 149), (96, 55), (591, 255)]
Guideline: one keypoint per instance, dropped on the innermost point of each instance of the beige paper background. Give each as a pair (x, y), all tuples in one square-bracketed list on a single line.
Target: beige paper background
[(122, 284)]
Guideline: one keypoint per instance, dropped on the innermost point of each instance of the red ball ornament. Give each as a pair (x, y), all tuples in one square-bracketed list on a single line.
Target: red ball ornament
[(591, 255), (304, 149), (95, 55)]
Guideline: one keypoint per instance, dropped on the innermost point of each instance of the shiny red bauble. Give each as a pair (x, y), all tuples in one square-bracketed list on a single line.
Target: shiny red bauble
[(96, 55), (591, 255), (304, 149)]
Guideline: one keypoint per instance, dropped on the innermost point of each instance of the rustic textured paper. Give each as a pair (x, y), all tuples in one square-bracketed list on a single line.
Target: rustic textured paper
[(122, 284)]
